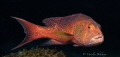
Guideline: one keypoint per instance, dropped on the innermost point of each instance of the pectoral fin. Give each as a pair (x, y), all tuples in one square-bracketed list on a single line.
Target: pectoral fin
[(63, 35)]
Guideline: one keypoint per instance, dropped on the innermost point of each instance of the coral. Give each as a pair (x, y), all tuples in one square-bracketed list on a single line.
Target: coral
[(37, 52)]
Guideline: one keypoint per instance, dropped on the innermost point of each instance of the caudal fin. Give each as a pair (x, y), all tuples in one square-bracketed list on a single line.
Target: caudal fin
[(32, 31)]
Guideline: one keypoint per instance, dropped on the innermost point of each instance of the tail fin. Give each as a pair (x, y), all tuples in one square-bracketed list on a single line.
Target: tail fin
[(32, 31)]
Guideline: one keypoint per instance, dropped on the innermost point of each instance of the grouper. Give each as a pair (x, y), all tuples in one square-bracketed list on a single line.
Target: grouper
[(77, 29)]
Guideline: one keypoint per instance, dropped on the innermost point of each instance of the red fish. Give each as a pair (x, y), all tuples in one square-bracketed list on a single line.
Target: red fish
[(79, 29)]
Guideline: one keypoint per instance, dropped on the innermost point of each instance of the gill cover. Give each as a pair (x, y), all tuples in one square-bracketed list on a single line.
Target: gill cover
[(80, 33)]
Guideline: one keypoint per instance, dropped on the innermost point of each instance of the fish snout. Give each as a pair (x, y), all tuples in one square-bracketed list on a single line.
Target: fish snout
[(97, 40)]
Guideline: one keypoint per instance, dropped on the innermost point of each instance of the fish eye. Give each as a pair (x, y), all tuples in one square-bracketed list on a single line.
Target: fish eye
[(88, 27), (91, 26)]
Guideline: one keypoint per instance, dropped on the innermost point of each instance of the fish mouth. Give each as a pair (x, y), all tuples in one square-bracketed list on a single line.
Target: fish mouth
[(96, 40), (93, 42)]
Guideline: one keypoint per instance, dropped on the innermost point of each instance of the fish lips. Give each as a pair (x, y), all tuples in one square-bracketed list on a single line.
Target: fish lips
[(96, 40), (92, 42)]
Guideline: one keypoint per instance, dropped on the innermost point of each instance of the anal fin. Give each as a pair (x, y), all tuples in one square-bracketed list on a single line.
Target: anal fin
[(76, 45), (52, 42)]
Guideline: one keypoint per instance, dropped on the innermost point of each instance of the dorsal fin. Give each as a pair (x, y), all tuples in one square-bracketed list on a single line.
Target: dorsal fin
[(52, 20)]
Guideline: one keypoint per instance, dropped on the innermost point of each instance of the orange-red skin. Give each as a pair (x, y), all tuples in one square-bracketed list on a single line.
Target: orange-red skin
[(61, 29)]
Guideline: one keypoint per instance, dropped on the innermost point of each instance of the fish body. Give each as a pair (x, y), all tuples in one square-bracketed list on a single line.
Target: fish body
[(79, 29)]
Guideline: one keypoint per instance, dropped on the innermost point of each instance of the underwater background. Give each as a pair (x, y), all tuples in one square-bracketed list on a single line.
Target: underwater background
[(104, 12)]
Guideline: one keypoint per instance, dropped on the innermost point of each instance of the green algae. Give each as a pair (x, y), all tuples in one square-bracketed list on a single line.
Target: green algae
[(37, 52)]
